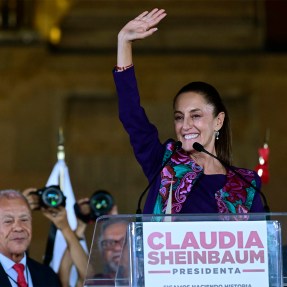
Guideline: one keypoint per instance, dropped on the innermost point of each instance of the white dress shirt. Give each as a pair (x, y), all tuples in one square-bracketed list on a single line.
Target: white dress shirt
[(8, 264)]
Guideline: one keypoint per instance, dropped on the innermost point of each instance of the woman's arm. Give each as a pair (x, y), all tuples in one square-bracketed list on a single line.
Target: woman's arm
[(79, 257), (143, 135)]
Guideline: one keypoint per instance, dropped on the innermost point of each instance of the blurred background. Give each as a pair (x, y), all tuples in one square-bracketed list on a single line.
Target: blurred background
[(56, 61)]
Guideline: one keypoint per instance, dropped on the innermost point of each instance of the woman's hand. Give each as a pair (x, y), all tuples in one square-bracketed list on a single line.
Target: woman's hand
[(32, 198), (57, 215), (142, 26), (139, 28)]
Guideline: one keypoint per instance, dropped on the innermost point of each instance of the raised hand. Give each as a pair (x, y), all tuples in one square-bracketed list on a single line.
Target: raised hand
[(58, 215), (139, 28), (32, 198), (142, 26)]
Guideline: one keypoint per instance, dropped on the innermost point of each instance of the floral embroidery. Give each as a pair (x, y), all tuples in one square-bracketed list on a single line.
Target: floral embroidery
[(236, 196), (182, 172), (168, 176)]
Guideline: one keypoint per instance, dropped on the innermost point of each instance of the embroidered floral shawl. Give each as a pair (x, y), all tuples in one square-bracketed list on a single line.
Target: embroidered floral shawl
[(182, 172)]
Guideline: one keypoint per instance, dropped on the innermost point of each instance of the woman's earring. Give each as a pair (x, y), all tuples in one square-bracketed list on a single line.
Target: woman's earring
[(216, 135)]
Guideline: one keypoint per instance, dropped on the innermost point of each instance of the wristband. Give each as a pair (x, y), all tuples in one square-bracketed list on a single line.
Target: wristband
[(120, 69)]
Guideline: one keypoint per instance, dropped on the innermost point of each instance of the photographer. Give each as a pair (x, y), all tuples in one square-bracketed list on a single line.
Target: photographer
[(87, 210), (74, 254)]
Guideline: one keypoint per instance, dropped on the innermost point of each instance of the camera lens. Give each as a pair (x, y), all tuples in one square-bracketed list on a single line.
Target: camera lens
[(52, 197), (101, 202)]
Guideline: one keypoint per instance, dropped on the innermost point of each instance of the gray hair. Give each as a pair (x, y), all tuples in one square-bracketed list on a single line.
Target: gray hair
[(13, 194)]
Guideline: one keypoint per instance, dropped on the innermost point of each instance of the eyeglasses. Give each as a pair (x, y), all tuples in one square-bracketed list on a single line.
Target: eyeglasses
[(109, 244)]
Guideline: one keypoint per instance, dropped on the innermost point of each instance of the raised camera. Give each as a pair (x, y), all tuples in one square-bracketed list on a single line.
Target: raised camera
[(51, 196), (101, 203)]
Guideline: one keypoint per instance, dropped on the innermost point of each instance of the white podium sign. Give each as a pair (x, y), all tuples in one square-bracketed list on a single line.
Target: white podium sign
[(213, 253)]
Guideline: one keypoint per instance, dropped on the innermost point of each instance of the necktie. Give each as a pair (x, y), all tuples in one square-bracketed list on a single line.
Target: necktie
[(21, 281)]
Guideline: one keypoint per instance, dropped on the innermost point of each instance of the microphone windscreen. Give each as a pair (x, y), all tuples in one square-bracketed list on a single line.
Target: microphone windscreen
[(198, 147)]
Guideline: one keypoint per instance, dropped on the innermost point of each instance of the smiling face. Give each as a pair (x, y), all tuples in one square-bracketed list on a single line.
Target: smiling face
[(194, 121), (15, 227)]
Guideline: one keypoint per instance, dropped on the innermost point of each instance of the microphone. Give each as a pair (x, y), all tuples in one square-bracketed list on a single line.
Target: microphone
[(177, 146), (198, 147)]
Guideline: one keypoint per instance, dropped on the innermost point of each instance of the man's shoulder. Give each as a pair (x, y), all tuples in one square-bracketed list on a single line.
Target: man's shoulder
[(34, 263), (45, 271)]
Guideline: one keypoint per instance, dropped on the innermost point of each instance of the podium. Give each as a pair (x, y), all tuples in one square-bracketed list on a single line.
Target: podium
[(194, 250)]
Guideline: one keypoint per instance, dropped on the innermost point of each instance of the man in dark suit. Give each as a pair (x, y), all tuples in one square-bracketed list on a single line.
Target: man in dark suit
[(15, 238)]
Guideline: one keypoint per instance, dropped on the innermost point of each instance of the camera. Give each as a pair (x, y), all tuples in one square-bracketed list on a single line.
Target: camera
[(50, 196), (101, 203)]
